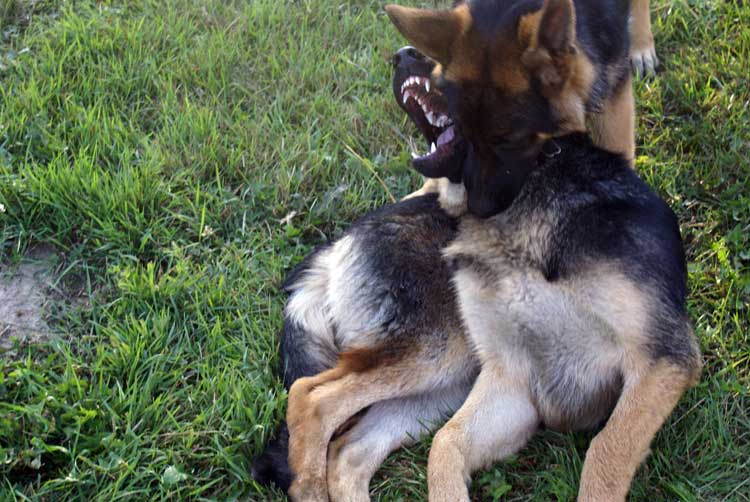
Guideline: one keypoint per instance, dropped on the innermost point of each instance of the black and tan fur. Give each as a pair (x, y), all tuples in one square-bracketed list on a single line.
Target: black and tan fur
[(378, 297), (576, 79), (573, 306), (564, 307)]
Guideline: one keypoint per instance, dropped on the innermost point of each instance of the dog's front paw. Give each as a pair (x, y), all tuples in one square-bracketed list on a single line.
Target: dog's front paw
[(643, 58)]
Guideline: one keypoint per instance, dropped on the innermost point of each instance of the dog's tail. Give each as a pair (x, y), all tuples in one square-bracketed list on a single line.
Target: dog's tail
[(272, 466), (307, 348)]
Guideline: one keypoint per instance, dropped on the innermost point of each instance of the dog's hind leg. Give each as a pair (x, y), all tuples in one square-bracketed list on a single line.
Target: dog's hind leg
[(320, 405), (642, 51), (354, 457), (613, 128), (496, 421), (623, 443)]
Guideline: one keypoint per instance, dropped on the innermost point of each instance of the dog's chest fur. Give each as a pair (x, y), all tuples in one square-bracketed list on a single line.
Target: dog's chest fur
[(544, 296)]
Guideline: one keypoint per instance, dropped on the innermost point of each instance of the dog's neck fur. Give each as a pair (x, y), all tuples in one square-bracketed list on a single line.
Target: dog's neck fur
[(508, 181)]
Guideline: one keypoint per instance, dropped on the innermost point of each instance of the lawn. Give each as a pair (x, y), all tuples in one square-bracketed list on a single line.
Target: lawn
[(180, 156)]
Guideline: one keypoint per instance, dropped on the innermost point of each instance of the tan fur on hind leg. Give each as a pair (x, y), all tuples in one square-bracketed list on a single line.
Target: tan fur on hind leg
[(614, 127), (354, 457), (320, 405), (623, 443)]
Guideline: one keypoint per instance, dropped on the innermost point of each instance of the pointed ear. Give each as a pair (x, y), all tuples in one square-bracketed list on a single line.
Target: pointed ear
[(550, 36), (557, 29), (432, 32)]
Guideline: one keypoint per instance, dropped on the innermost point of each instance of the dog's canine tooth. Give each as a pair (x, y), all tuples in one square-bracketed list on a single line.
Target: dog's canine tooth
[(433, 147), (427, 85), (412, 148)]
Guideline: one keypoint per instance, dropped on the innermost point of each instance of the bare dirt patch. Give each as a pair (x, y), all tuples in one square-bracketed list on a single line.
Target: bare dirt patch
[(25, 291)]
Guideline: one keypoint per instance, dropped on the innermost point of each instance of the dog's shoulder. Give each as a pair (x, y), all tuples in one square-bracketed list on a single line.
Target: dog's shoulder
[(608, 213)]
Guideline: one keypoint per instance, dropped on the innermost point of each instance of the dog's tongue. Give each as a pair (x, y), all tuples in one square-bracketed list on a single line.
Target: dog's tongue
[(446, 136)]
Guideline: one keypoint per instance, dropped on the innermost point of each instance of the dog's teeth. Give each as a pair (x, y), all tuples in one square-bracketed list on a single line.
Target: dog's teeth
[(427, 85), (432, 147), (414, 155), (431, 118)]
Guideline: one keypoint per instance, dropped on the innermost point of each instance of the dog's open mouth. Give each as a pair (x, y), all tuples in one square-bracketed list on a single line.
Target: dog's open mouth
[(428, 109)]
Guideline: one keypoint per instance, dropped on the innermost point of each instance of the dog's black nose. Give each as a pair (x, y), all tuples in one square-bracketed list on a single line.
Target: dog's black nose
[(406, 56)]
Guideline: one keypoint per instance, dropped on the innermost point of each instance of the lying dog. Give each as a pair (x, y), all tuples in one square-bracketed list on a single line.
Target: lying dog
[(570, 302)]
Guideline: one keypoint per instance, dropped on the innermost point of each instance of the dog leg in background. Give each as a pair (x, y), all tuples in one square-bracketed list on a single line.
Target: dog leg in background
[(496, 421), (618, 449), (642, 51), (320, 405), (613, 128), (452, 196), (430, 186), (355, 457)]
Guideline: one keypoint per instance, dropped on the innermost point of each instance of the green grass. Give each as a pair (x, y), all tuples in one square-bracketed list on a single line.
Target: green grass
[(158, 145)]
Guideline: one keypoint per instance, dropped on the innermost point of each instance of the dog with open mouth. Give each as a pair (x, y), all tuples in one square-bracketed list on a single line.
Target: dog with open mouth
[(553, 67), (564, 305)]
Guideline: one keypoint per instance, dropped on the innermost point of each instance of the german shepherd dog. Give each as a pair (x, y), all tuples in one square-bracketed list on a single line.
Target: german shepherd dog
[(582, 81), (564, 305)]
